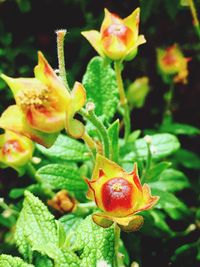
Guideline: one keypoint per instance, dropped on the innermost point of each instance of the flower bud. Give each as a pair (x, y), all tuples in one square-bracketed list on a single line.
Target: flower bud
[(15, 150), (172, 63), (118, 38)]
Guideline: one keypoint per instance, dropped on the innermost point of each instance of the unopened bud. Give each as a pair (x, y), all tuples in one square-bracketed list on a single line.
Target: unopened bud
[(62, 202), (148, 139), (90, 106)]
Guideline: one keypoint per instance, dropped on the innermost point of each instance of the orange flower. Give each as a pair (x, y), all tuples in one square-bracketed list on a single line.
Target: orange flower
[(118, 38), (45, 102), (119, 195), (15, 150), (171, 61)]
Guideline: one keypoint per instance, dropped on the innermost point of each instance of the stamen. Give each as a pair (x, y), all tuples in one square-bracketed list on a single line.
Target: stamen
[(117, 187), (35, 96)]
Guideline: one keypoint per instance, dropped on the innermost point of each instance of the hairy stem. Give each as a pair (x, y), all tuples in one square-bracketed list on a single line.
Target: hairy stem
[(90, 115), (90, 143), (61, 58), (123, 99)]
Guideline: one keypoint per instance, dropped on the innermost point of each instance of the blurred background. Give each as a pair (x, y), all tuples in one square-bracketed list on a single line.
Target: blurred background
[(28, 26)]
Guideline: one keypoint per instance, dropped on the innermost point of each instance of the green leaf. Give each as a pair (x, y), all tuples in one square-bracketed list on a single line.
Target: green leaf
[(70, 222), (188, 159), (101, 87), (60, 176), (94, 244), (172, 7), (155, 224), (174, 207), (147, 8), (43, 261), (34, 225), (113, 132), (9, 261), (171, 180), (154, 173), (67, 149), (37, 230), (162, 146), (180, 128)]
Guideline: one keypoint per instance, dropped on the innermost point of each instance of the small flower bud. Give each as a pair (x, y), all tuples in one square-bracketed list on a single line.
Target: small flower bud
[(90, 106), (148, 139)]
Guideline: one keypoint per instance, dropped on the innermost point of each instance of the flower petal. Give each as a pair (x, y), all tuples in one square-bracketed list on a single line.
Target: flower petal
[(14, 120), (109, 18), (110, 168), (74, 127), (94, 39), (148, 200), (101, 220), (131, 223), (132, 21)]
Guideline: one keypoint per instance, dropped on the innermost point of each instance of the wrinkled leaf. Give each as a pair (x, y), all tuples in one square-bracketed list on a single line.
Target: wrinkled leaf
[(171, 180), (9, 261), (162, 146), (60, 176), (67, 149), (174, 207), (100, 84), (94, 243)]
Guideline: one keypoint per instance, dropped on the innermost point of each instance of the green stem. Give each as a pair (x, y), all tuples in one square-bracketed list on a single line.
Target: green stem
[(61, 58), (195, 17), (90, 115), (123, 99), (116, 245), (169, 98), (148, 162)]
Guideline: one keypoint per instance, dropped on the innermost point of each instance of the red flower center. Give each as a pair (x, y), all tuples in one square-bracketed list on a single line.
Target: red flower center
[(119, 30), (169, 58), (117, 194), (11, 146)]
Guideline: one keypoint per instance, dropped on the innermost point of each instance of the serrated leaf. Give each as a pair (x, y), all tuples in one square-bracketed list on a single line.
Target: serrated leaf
[(101, 87), (113, 132), (60, 176), (174, 207), (188, 159), (37, 230), (67, 149), (162, 146), (9, 261), (171, 180), (34, 225), (94, 243)]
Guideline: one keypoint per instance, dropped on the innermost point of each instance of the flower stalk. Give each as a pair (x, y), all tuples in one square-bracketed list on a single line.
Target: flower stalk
[(61, 59), (117, 232), (90, 115), (123, 99)]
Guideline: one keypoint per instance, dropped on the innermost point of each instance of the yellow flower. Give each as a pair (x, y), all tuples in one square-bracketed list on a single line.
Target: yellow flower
[(45, 102), (15, 150), (171, 61), (13, 119), (119, 195), (118, 38)]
